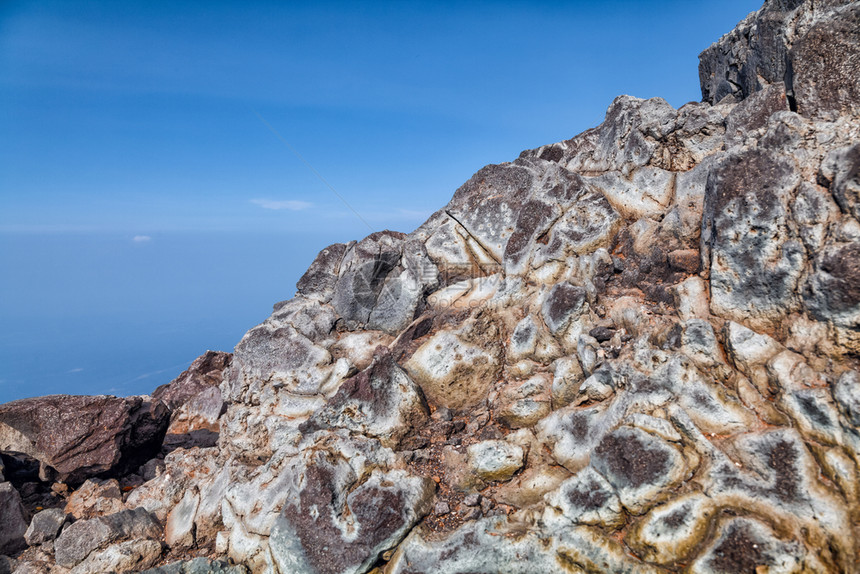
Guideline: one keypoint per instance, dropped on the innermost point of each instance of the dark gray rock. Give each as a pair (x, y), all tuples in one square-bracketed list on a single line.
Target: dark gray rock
[(813, 48), (638, 465), (280, 355), (550, 215), (487, 205), (80, 539), (752, 113), (825, 65), (13, 520), (198, 566), (602, 334), (319, 280), (588, 223), (750, 56), (833, 290), (308, 316), (522, 214), (80, 436), (755, 261), (841, 171), (45, 526), (383, 282), (813, 209)]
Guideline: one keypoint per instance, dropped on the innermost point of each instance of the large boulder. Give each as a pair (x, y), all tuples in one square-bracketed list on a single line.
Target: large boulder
[(382, 281), (76, 437), (195, 402)]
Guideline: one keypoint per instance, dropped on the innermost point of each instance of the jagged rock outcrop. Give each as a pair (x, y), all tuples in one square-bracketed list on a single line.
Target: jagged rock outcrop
[(810, 47), (194, 401), (636, 350)]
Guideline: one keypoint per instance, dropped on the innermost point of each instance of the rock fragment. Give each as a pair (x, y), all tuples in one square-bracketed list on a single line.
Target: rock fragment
[(45, 526), (13, 520), (495, 460), (81, 540)]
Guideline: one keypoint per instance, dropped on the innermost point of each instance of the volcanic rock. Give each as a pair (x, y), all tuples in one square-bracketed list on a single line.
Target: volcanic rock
[(204, 373), (13, 520), (198, 566), (75, 437), (635, 350), (45, 526), (495, 460), (121, 540), (95, 498)]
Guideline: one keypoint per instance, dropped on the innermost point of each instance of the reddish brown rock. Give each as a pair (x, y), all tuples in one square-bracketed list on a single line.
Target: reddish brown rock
[(205, 372), (76, 437), (686, 260)]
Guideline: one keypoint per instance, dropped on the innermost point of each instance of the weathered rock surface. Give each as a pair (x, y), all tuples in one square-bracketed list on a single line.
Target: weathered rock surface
[(495, 460), (95, 498), (198, 566), (195, 402), (636, 350), (380, 402), (45, 526), (13, 520), (336, 521), (811, 47), (75, 437), (122, 540), (204, 373)]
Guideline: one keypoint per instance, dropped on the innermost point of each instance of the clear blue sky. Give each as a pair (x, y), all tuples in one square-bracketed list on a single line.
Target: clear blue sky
[(147, 213)]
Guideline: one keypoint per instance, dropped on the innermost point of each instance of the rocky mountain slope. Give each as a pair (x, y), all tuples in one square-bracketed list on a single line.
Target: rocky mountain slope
[(637, 350)]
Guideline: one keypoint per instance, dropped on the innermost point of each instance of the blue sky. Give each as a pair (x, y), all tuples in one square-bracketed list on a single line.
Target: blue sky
[(147, 213)]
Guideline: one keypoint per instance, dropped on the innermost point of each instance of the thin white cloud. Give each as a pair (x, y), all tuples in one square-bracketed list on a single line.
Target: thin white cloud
[(291, 204), (141, 238), (77, 370)]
